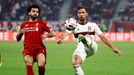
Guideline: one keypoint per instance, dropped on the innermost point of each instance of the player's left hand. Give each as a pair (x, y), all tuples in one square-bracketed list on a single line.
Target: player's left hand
[(59, 41), (118, 52)]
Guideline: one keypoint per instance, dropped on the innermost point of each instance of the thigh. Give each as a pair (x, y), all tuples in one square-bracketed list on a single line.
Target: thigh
[(28, 60), (28, 57), (80, 51), (41, 57)]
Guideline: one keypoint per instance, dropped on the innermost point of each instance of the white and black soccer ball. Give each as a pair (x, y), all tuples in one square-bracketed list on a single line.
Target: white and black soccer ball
[(70, 24)]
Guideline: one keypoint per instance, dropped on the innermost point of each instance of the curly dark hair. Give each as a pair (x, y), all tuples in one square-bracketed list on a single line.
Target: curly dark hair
[(32, 6)]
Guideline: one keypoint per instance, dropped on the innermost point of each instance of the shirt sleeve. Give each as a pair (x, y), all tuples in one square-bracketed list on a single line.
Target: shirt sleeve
[(45, 26), (97, 29), (21, 26)]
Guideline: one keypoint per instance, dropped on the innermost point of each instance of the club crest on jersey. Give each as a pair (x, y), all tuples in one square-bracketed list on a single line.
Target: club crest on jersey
[(89, 28), (37, 24)]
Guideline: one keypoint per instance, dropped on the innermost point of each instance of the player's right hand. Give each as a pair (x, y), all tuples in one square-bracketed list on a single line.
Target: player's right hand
[(59, 41), (118, 52)]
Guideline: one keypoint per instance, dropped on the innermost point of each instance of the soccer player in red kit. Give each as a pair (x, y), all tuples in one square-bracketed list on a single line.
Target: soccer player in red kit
[(33, 31)]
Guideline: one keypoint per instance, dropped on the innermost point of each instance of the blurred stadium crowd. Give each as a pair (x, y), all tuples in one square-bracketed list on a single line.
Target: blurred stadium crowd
[(15, 9), (128, 13), (100, 10)]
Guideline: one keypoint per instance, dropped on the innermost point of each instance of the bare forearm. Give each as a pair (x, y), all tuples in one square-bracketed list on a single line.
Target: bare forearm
[(107, 42), (50, 35), (63, 35)]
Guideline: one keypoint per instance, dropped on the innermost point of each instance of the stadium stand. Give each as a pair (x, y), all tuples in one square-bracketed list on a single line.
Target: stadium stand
[(100, 11), (13, 10), (128, 13)]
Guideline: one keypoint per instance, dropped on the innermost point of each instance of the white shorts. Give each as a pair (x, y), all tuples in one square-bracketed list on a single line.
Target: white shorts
[(84, 52)]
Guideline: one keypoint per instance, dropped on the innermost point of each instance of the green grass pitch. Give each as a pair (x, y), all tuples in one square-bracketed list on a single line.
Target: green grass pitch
[(104, 62)]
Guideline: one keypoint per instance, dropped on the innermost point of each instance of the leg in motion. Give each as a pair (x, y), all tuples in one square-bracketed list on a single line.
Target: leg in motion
[(29, 62), (41, 63), (76, 62)]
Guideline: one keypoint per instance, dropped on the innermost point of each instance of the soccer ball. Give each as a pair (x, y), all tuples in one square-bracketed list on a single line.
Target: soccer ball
[(70, 24)]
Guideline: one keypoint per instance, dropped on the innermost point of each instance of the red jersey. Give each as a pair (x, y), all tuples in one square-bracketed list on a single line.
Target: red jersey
[(32, 38)]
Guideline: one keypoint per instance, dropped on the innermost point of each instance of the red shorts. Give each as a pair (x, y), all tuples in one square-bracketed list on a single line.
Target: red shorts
[(34, 52)]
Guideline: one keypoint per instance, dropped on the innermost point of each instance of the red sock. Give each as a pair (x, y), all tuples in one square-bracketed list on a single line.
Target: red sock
[(41, 70), (29, 70)]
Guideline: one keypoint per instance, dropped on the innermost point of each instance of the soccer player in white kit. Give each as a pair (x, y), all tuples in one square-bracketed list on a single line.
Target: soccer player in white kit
[(86, 46)]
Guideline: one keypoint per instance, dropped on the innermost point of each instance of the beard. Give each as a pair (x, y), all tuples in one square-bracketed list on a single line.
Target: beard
[(82, 19), (33, 17)]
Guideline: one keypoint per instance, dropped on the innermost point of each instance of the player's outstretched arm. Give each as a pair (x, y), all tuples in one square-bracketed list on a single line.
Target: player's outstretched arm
[(107, 42), (61, 37), (49, 35), (20, 34)]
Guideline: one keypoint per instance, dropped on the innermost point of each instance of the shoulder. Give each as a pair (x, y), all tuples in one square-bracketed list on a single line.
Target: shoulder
[(42, 22), (93, 23), (24, 23)]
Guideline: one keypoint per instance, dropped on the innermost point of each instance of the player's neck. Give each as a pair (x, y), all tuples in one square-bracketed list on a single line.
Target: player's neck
[(32, 20), (83, 22)]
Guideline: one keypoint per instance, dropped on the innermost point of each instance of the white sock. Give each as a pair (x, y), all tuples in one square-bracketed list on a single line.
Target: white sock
[(78, 70)]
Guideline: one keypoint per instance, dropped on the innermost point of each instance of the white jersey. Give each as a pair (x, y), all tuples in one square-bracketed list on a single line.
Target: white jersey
[(89, 30)]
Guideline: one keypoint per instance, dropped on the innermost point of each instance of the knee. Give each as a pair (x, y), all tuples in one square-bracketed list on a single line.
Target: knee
[(76, 61), (41, 63), (28, 62), (75, 65)]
